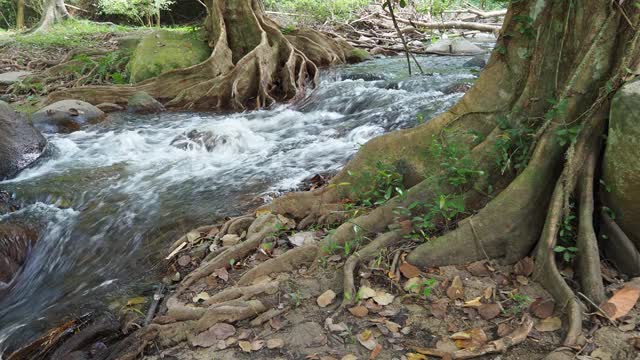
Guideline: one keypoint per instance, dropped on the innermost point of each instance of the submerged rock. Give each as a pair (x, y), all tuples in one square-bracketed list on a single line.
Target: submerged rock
[(456, 88), (478, 61), (196, 140), (66, 116), (15, 241), (165, 50), (454, 47), (143, 103), (21, 144), (109, 107)]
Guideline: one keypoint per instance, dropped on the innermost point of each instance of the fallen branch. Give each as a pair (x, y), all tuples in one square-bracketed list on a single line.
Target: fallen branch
[(478, 13), (445, 25)]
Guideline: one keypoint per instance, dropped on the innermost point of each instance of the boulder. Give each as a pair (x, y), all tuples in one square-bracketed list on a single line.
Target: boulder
[(143, 103), (165, 50), (66, 116), (12, 77), (378, 51), (109, 107), (196, 140), (456, 88), (21, 144), (621, 163), (478, 61), (15, 241), (358, 55), (454, 47)]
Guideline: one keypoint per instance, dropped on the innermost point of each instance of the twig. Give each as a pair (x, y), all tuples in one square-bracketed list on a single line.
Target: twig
[(598, 308), (404, 41)]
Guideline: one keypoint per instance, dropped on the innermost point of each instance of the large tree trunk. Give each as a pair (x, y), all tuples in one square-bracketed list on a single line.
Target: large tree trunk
[(252, 64), (54, 11), (20, 15)]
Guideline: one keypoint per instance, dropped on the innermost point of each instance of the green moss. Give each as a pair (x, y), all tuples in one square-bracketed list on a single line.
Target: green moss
[(359, 55), (166, 50)]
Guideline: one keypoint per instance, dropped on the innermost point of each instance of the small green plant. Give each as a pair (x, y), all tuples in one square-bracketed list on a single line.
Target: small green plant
[(567, 253), (521, 301), (512, 148), (567, 238), (428, 286), (382, 185), (454, 160), (288, 29)]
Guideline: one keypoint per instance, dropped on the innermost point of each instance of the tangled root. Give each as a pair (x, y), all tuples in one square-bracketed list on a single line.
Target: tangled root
[(289, 261)]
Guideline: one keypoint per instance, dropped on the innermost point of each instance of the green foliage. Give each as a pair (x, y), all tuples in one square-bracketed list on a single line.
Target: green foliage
[(524, 25), (382, 185), (512, 148), (454, 160), (319, 10), (567, 234), (567, 253), (288, 29), (133, 9), (521, 301), (69, 34), (428, 286)]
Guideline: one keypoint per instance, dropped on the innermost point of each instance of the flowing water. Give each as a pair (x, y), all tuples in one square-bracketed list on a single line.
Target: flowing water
[(112, 197)]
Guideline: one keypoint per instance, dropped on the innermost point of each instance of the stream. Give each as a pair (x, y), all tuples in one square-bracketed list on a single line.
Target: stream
[(112, 197)]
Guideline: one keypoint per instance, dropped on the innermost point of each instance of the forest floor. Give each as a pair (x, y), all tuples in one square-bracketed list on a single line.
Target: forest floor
[(401, 312)]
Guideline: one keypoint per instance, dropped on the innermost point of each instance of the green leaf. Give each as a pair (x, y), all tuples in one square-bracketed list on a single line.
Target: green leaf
[(559, 249)]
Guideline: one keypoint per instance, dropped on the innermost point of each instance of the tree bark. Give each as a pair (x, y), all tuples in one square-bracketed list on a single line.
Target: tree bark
[(20, 15), (54, 12)]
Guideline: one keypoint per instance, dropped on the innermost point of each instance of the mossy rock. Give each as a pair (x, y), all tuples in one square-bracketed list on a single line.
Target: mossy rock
[(358, 55), (621, 166), (165, 50)]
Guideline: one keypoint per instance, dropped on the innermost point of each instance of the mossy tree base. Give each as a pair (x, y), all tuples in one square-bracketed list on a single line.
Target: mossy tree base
[(252, 65)]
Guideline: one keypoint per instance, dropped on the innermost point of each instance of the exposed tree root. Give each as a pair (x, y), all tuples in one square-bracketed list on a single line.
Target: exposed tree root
[(587, 243), (289, 261), (236, 225), (259, 229), (367, 253), (618, 247), (243, 292), (252, 65), (493, 347)]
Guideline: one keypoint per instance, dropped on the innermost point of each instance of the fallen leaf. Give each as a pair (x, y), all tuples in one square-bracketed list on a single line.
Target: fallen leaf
[(504, 329), (136, 301), (624, 300), (375, 352), (222, 331), (524, 267), (487, 293), (203, 296), (256, 345), (393, 327), (366, 292), (635, 342), (192, 236), (473, 303), (326, 298), (522, 280), (456, 290), (542, 308), (470, 339), (275, 343), (367, 340), (359, 311), (340, 327), (222, 273), (416, 356), (302, 238), (205, 339), (439, 308), (479, 269), (413, 285), (549, 324), (489, 311), (383, 298), (409, 271), (349, 357), (446, 345), (406, 227), (245, 346), (372, 306)]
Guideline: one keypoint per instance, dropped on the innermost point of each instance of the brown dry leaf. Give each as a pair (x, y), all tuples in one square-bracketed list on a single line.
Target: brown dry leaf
[(478, 268), (409, 271), (635, 342), (416, 356), (542, 308), (256, 345), (359, 311), (504, 329), (393, 327), (549, 324), (624, 300), (489, 311), (222, 273), (275, 343), (406, 227), (375, 352), (245, 346), (470, 339), (366, 292), (456, 290), (439, 309), (326, 298), (524, 267), (349, 357), (473, 303), (383, 298), (608, 308), (367, 340), (487, 293), (413, 285), (522, 280)]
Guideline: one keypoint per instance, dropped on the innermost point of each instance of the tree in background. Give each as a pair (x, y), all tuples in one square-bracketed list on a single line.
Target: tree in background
[(141, 11), (53, 12), (20, 15)]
